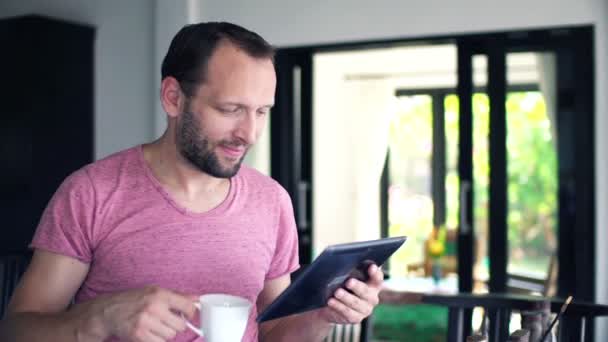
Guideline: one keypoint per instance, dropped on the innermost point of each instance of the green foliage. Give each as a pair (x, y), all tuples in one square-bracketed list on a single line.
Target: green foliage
[(532, 187), (410, 205)]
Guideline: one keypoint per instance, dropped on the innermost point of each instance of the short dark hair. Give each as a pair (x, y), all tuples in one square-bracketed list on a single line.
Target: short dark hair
[(193, 45)]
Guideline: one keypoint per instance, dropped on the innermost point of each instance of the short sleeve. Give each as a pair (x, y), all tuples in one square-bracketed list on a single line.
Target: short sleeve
[(285, 259), (67, 222)]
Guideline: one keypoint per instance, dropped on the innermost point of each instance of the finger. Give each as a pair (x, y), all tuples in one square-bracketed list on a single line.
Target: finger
[(154, 324), (174, 321), (376, 276), (353, 302), (163, 331), (347, 314), (141, 329), (365, 292), (151, 337), (145, 334), (181, 303)]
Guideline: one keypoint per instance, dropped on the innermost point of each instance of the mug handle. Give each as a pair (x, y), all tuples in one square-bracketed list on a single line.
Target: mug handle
[(191, 326)]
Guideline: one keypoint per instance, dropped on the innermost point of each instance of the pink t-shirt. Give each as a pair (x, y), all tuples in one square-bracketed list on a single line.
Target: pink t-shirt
[(114, 215)]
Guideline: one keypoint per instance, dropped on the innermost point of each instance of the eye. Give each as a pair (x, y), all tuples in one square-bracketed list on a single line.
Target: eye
[(229, 109), (264, 111)]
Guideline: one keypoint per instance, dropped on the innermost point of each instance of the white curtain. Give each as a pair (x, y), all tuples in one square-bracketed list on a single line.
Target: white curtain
[(371, 110), (547, 83), (351, 128)]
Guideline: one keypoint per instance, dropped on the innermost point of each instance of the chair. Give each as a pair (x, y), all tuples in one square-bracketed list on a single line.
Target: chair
[(12, 267), (344, 333), (350, 332), (521, 335), (547, 287), (501, 305)]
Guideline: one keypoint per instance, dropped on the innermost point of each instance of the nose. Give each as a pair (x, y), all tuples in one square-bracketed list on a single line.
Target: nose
[(247, 129)]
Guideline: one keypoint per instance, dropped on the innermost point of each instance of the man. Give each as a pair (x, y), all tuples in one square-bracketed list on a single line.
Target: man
[(135, 238)]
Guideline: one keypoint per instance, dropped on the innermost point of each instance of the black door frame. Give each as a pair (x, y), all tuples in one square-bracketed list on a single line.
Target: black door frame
[(291, 139)]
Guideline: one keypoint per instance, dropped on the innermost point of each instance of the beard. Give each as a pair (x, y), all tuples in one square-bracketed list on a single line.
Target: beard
[(198, 150)]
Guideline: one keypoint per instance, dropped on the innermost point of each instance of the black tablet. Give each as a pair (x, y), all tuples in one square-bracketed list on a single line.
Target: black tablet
[(330, 270)]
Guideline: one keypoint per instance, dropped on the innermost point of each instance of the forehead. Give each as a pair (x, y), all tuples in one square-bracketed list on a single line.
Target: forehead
[(231, 72)]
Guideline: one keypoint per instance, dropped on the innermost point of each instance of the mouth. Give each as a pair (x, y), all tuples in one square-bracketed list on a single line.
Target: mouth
[(232, 151)]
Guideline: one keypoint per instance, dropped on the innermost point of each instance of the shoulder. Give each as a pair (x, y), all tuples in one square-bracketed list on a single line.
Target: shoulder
[(115, 169), (103, 171), (260, 183), (119, 161), (255, 178)]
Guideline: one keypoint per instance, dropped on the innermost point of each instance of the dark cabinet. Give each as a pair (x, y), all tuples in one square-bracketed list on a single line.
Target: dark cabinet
[(46, 117)]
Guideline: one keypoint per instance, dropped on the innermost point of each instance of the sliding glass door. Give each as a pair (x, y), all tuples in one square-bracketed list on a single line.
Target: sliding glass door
[(526, 163)]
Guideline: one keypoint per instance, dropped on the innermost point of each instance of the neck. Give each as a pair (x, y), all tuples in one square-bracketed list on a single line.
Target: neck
[(174, 171)]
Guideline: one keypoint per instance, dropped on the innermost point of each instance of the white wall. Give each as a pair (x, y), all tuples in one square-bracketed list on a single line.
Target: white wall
[(169, 17), (123, 63), (293, 23), (290, 23)]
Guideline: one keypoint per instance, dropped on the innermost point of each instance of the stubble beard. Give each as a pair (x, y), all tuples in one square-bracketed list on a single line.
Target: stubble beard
[(197, 149)]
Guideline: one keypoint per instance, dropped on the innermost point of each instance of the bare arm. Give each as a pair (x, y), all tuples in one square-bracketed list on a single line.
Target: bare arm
[(307, 326), (39, 307), (41, 298), (343, 307)]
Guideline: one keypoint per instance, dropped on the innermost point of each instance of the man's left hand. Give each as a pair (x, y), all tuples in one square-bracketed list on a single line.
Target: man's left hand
[(346, 307)]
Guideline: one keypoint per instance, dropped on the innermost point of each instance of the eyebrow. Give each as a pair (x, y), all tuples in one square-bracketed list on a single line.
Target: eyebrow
[(230, 103)]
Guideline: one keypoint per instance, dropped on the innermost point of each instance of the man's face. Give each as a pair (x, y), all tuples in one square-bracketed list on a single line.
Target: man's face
[(227, 113)]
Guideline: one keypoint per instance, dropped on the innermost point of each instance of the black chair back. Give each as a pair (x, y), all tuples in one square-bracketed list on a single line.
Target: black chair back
[(12, 267), (573, 326)]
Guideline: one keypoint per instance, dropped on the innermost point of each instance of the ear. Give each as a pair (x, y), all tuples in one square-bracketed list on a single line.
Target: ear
[(171, 96)]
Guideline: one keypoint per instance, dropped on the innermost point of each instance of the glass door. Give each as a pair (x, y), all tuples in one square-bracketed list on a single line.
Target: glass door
[(526, 169), (532, 171)]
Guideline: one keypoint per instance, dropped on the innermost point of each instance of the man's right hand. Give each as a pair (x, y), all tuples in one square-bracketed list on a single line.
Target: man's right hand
[(144, 315), (40, 307)]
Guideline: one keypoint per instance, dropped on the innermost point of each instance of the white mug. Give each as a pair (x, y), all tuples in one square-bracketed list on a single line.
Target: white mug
[(223, 317)]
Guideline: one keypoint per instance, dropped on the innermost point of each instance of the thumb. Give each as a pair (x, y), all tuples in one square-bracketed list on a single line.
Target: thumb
[(376, 275)]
